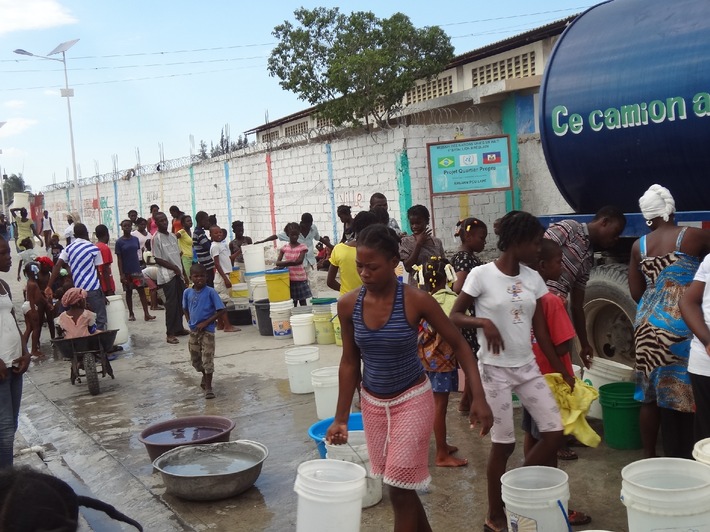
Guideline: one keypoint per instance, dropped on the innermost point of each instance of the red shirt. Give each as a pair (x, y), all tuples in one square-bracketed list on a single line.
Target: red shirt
[(561, 330), (106, 266)]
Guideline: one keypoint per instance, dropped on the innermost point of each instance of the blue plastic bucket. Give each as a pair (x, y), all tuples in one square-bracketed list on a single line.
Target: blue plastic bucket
[(318, 430)]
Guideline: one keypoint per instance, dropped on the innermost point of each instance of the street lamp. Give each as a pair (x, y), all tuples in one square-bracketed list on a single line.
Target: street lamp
[(2, 182), (67, 93)]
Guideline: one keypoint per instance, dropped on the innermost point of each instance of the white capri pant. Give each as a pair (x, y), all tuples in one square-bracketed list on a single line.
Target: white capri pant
[(530, 386)]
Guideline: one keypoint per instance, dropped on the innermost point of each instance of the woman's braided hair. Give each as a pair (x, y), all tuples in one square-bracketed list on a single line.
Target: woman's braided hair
[(434, 272), (467, 226), (31, 501), (517, 227)]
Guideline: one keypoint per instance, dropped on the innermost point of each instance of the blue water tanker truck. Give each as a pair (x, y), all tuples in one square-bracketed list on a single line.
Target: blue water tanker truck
[(624, 104)]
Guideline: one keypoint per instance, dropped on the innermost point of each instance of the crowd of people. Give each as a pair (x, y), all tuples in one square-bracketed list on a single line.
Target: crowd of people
[(505, 324)]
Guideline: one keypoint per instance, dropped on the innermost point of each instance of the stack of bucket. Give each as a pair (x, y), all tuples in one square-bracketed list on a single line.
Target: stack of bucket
[(254, 268), (620, 415), (304, 331), (322, 319), (603, 372), (280, 313)]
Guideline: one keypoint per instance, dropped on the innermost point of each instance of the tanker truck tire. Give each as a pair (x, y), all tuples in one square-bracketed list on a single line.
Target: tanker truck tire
[(610, 311)]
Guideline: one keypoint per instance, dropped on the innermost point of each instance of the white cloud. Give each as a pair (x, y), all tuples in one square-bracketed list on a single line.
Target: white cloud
[(15, 126), (13, 152), (33, 15), (50, 92), (14, 104)]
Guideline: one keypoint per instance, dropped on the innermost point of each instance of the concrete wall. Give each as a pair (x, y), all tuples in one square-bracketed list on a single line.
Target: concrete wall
[(316, 177)]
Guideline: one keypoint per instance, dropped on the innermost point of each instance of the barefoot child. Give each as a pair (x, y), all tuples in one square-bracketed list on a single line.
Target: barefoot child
[(507, 295), (202, 307), (291, 256), (219, 251), (27, 255), (379, 328), (76, 321), (438, 358), (129, 269), (34, 308), (473, 233)]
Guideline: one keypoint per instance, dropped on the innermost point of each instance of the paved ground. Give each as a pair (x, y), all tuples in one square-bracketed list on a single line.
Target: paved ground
[(92, 441)]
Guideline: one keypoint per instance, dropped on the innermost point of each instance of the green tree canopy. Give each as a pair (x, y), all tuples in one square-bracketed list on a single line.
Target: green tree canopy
[(13, 183), (357, 66)]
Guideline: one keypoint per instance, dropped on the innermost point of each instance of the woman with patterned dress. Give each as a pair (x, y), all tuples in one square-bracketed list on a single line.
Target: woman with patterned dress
[(662, 266), (473, 233)]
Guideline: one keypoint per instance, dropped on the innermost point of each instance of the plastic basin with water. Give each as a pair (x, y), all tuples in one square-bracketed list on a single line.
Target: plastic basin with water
[(191, 430), (317, 430)]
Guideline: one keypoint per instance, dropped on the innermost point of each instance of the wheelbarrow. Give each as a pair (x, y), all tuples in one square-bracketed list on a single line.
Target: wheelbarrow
[(85, 353)]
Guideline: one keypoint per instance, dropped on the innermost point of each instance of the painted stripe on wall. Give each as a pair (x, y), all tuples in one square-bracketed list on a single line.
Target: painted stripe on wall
[(270, 182), (404, 187), (229, 199), (331, 192), (509, 122), (115, 208)]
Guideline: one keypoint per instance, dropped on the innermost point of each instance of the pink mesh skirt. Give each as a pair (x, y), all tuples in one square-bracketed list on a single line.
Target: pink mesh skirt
[(398, 431)]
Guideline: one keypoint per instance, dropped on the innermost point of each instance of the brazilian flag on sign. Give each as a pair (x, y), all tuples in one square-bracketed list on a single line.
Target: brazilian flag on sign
[(445, 162)]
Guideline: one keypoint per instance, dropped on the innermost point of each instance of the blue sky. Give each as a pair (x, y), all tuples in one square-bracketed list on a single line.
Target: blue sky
[(153, 73)]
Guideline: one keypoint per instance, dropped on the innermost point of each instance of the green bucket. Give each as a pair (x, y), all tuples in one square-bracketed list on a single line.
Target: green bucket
[(620, 413)]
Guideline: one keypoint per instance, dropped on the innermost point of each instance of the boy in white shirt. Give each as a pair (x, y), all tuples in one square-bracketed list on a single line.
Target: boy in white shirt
[(219, 251)]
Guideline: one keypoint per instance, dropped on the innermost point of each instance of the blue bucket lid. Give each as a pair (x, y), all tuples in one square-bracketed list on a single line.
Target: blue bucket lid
[(276, 272)]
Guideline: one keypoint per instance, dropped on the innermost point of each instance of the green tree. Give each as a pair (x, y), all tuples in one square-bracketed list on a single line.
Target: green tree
[(355, 67), (13, 183), (202, 154)]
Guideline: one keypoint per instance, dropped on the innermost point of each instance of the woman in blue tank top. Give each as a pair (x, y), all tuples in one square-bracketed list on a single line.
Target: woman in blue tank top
[(379, 324)]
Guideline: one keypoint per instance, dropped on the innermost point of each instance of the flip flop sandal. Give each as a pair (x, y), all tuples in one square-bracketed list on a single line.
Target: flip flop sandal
[(578, 518), (567, 454), (172, 340), (209, 395)]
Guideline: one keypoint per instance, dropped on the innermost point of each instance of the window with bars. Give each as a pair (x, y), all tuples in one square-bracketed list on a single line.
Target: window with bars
[(270, 136), (518, 66), (323, 122), (296, 129), (430, 90)]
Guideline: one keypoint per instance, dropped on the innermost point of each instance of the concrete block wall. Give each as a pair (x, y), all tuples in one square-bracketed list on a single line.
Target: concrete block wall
[(361, 165)]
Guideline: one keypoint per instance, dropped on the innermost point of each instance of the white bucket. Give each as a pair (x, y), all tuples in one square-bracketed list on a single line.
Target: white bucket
[(257, 288), (701, 451), (536, 498), (577, 371), (280, 314), (254, 258), (325, 386), (300, 361), (603, 372), (304, 332), (666, 494), (356, 451), (329, 496), (116, 318)]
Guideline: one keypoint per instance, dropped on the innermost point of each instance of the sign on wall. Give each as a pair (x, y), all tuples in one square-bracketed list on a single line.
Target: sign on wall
[(470, 165)]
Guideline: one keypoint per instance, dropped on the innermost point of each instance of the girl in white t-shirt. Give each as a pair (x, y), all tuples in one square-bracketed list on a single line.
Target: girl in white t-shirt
[(506, 295), (695, 308)]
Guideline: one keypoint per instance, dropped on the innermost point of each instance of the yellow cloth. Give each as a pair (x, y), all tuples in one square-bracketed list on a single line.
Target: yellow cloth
[(574, 407)]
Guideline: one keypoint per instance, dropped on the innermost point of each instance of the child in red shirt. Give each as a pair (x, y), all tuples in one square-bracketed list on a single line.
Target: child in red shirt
[(105, 275)]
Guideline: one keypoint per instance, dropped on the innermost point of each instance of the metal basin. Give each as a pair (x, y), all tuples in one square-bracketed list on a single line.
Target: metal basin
[(191, 430), (211, 472)]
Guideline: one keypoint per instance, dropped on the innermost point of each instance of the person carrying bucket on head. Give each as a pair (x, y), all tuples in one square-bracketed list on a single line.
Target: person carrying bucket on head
[(379, 325)]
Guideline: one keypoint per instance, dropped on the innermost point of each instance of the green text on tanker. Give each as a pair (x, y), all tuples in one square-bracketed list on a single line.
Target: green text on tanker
[(632, 115)]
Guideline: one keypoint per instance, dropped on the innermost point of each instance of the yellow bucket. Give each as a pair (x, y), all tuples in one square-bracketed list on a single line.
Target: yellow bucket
[(235, 277), (278, 285), (239, 290), (324, 329)]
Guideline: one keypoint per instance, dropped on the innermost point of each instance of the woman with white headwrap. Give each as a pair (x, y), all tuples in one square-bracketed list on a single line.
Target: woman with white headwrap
[(662, 266)]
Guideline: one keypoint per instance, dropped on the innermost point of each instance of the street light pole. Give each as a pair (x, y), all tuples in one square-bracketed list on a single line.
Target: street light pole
[(2, 183), (67, 93)]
